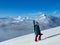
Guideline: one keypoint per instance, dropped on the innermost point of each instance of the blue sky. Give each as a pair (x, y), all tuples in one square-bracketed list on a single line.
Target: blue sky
[(24, 7)]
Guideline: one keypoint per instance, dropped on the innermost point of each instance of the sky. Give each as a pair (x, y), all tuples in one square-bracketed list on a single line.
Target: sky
[(29, 7)]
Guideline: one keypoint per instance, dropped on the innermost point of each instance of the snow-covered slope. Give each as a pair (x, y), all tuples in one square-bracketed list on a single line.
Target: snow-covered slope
[(50, 37)]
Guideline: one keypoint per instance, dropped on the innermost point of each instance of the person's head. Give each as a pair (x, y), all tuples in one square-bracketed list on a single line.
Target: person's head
[(37, 23)]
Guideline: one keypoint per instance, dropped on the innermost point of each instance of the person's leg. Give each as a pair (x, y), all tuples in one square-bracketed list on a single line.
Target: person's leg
[(40, 36), (36, 37)]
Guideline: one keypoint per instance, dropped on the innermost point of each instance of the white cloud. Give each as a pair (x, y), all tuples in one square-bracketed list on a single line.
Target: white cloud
[(54, 12)]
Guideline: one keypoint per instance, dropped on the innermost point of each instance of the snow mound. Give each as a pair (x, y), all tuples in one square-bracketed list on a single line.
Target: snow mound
[(50, 37)]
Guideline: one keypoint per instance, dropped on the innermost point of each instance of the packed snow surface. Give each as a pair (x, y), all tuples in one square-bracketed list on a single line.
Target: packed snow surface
[(49, 37)]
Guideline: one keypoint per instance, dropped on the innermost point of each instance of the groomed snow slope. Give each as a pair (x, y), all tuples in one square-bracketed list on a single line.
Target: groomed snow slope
[(50, 37)]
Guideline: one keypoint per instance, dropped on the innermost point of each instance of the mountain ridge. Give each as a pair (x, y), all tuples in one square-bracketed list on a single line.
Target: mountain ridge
[(44, 20)]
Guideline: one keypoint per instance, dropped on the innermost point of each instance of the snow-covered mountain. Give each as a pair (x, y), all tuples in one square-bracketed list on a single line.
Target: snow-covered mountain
[(49, 37), (48, 21), (21, 23), (11, 27)]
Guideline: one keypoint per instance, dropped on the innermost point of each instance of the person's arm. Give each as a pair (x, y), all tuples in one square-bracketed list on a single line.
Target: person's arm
[(33, 22), (34, 25)]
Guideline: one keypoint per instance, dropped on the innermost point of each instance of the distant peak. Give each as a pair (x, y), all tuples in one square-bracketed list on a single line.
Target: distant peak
[(43, 14)]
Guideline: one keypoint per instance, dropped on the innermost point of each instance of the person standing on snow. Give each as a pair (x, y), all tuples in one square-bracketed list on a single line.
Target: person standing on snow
[(37, 30)]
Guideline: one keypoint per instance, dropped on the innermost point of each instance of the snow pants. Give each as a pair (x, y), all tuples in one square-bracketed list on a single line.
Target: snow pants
[(38, 37)]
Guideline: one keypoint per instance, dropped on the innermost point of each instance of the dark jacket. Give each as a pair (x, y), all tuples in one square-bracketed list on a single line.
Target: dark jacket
[(36, 28)]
